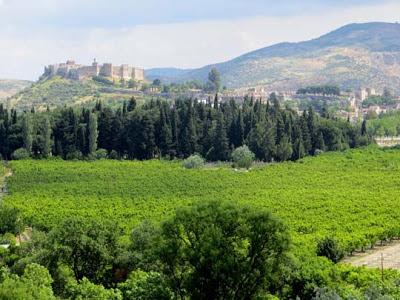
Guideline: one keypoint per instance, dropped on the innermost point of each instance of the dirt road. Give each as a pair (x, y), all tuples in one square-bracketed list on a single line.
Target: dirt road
[(388, 255)]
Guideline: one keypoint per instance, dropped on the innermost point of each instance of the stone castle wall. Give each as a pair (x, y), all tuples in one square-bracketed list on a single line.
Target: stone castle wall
[(79, 72)]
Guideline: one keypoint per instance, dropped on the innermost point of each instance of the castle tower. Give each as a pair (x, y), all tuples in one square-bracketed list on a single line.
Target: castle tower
[(107, 70), (96, 68)]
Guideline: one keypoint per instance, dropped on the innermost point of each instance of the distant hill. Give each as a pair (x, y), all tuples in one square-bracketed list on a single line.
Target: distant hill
[(9, 87), (165, 74), (352, 56)]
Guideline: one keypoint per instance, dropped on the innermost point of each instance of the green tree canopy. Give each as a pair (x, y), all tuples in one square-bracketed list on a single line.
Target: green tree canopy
[(215, 250)]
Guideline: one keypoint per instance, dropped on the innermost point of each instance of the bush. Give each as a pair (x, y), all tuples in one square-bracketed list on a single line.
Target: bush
[(19, 154), (142, 285), (101, 153), (326, 294), (74, 155), (193, 162), (242, 157), (35, 283), (113, 155), (318, 152), (9, 220), (330, 248), (103, 80)]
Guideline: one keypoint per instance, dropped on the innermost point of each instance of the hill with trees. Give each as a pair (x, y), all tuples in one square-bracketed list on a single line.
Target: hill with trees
[(352, 56), (58, 92)]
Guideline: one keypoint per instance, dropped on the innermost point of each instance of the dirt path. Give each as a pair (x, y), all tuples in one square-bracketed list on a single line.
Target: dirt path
[(389, 255)]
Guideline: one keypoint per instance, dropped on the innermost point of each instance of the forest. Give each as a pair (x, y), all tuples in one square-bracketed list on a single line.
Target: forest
[(176, 129)]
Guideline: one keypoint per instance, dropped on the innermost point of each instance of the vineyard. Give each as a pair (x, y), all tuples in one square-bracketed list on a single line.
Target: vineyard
[(351, 195)]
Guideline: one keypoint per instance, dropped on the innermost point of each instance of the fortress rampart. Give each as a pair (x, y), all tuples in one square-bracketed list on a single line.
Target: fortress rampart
[(79, 72)]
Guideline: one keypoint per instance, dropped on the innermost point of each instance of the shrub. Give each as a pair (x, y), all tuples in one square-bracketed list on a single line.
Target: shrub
[(330, 248), (101, 153), (242, 157), (142, 285), (113, 155), (103, 80), (193, 162), (9, 220), (19, 154), (325, 294), (74, 155)]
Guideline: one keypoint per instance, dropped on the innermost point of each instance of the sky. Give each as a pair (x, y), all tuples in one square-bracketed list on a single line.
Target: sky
[(164, 33)]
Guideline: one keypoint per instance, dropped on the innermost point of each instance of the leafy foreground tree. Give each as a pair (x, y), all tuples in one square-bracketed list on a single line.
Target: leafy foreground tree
[(34, 284), (88, 248), (215, 250)]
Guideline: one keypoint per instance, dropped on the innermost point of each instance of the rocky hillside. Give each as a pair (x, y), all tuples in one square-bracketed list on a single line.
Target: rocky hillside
[(352, 56), (9, 87)]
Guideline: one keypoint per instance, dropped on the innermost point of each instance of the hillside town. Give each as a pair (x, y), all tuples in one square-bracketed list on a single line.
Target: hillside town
[(352, 105)]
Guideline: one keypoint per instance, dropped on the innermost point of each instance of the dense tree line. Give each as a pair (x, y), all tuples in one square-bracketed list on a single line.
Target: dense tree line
[(330, 90), (176, 130)]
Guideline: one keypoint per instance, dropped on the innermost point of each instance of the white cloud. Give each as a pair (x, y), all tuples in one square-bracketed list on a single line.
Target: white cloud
[(23, 53)]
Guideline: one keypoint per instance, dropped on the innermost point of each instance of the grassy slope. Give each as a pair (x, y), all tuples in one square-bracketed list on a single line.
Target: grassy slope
[(350, 194), (57, 91)]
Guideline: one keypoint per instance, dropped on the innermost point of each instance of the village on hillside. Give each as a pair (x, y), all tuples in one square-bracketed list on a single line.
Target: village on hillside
[(363, 103)]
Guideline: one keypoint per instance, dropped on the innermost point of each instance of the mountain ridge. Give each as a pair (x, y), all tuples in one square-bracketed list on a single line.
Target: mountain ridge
[(375, 43)]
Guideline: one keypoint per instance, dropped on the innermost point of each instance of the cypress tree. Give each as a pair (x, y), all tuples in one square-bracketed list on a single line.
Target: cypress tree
[(3, 139), (47, 137), (220, 146), (165, 134), (131, 105), (175, 131), (298, 146), (364, 128), (325, 110), (320, 144), (305, 134), (284, 149), (280, 128), (237, 131), (93, 133), (27, 132), (216, 106), (188, 138)]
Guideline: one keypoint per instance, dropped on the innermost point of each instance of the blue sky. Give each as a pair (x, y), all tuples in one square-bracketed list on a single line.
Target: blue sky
[(161, 33)]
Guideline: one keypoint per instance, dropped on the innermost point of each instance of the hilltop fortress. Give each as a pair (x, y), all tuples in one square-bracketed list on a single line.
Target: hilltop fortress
[(75, 71)]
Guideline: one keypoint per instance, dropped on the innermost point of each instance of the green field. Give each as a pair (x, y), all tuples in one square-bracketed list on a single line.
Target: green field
[(353, 195)]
